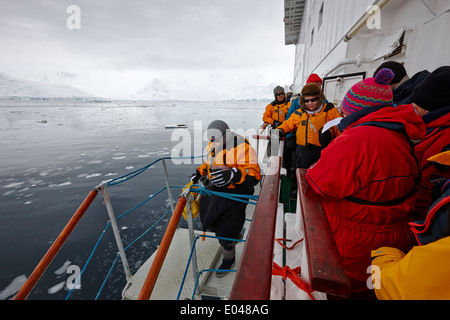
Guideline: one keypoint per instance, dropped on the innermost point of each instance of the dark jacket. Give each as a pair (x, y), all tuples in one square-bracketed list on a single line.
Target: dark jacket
[(402, 93)]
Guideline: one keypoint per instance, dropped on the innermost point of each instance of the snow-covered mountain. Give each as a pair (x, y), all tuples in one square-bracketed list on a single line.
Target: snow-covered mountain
[(13, 87), (207, 87)]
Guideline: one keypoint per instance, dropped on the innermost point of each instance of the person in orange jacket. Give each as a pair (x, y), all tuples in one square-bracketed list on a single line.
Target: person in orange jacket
[(277, 110), (422, 273), (231, 167), (308, 122)]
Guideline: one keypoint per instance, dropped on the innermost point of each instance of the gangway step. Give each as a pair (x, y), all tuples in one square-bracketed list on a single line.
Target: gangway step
[(171, 276)]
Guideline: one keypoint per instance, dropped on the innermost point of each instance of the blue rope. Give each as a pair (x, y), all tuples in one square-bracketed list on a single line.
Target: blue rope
[(125, 249), (141, 170), (88, 260), (232, 196), (197, 236), (124, 178), (208, 270), (103, 233)]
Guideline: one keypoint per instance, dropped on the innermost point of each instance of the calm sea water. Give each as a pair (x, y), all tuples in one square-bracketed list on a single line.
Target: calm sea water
[(53, 153)]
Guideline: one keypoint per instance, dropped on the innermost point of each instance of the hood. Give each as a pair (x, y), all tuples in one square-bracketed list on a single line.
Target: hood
[(398, 117), (438, 118)]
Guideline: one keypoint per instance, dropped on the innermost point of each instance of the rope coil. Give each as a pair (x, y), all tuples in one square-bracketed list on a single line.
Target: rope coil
[(293, 274)]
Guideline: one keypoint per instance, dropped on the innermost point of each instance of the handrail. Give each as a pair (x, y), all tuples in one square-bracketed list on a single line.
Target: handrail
[(153, 273), (54, 249), (254, 276), (263, 127), (326, 270)]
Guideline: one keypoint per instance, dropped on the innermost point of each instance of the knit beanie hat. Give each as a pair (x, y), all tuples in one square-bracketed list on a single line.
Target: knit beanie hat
[(277, 89), (434, 91), (217, 129), (371, 92), (314, 78), (398, 69)]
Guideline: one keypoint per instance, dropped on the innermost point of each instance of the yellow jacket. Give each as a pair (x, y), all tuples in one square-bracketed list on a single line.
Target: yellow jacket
[(308, 126), (422, 274), (238, 153), (276, 112)]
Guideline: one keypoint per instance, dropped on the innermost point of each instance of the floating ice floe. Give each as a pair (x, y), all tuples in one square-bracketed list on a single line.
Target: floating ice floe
[(14, 185), (68, 183), (95, 162), (13, 287), (111, 174), (63, 268), (175, 126), (93, 175), (56, 288)]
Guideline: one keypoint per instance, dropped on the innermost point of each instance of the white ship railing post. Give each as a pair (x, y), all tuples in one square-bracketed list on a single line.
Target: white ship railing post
[(190, 221), (112, 220), (169, 191)]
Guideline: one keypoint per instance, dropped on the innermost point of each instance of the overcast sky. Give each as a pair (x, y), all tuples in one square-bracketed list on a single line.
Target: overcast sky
[(126, 43)]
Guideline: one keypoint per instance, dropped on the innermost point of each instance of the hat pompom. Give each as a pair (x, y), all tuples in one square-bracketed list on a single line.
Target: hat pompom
[(385, 76)]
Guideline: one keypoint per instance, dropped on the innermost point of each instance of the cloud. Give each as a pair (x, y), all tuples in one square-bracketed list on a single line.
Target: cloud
[(144, 37)]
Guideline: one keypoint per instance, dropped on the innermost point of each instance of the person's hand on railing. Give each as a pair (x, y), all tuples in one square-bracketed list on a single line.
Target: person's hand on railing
[(223, 177), (195, 177), (276, 124)]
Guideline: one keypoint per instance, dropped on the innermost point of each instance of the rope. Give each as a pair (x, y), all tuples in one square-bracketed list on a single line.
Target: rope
[(232, 196), (287, 272), (103, 233), (294, 275), (141, 170), (288, 248), (251, 199), (197, 236), (126, 248)]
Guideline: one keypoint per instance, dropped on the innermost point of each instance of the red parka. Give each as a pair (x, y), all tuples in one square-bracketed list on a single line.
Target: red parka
[(370, 162), (437, 139)]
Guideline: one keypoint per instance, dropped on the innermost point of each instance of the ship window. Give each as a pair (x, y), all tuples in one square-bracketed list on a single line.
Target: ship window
[(321, 16), (399, 49), (391, 45)]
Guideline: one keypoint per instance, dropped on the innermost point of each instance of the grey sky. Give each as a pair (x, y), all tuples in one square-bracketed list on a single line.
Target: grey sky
[(136, 40)]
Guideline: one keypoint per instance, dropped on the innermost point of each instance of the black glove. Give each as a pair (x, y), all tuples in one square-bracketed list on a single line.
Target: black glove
[(223, 177), (276, 124), (195, 177), (325, 138), (282, 133)]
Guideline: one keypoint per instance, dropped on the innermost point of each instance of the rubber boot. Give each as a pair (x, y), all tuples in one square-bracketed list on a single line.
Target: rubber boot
[(227, 262)]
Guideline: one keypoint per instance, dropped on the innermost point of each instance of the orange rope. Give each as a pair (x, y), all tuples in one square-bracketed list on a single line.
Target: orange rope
[(288, 248), (294, 275)]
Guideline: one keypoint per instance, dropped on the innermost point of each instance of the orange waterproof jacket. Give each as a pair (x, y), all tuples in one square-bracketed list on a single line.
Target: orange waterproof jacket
[(422, 274), (308, 126), (237, 153), (276, 112)]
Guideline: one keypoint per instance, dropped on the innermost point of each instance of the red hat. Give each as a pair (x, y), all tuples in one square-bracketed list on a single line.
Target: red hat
[(371, 92), (314, 78)]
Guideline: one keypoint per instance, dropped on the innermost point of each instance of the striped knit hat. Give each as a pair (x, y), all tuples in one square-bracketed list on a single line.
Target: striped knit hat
[(371, 92)]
